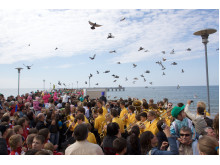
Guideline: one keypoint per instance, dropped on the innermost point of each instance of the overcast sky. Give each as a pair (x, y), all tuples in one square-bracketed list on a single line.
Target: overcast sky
[(69, 31)]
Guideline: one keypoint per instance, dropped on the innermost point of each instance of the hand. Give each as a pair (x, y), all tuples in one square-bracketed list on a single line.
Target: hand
[(167, 131), (189, 102), (164, 145)]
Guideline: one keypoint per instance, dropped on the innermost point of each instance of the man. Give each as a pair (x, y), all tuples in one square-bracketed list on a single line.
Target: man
[(116, 119), (186, 145), (40, 124), (152, 122), (124, 113), (100, 105), (197, 119), (82, 146), (103, 98), (99, 121), (209, 132), (3, 144)]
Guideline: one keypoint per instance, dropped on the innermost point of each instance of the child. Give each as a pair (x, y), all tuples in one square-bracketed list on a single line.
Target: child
[(120, 146), (50, 147), (29, 141), (15, 142), (19, 130), (45, 133), (38, 142), (91, 137)]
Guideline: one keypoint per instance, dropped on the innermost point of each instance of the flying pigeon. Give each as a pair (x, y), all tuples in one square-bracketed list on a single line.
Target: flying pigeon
[(163, 52), (142, 75), (118, 63), (150, 83), (28, 66), (113, 75), (107, 71), (188, 49), (134, 65), (163, 68), (110, 36), (85, 82), (97, 84), (94, 25), (114, 51), (59, 83), (56, 48), (172, 52), (135, 78), (116, 76), (173, 63), (182, 71), (144, 80), (29, 44), (122, 19), (126, 79), (92, 58), (159, 62), (90, 75), (163, 74), (147, 71), (164, 59), (97, 72), (114, 80), (146, 51), (140, 49)]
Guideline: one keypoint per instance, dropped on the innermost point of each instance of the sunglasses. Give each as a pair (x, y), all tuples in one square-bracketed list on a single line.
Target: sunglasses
[(169, 105), (185, 135)]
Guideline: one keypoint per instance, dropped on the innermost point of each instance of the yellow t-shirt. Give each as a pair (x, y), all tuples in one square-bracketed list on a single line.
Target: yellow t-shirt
[(91, 138), (123, 112), (99, 121), (131, 119), (120, 123), (105, 111), (152, 127), (85, 119)]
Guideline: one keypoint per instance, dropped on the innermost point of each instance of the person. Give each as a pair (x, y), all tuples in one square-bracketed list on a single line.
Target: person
[(209, 132), (161, 137), (15, 142), (180, 121), (38, 142), (31, 152), (99, 121), (54, 133), (186, 145), (103, 98), (40, 124), (216, 125), (36, 105), (3, 144), (115, 118), (124, 113), (91, 137), (120, 146), (50, 147), (19, 130), (143, 121), (152, 122), (24, 124), (133, 141), (148, 142), (131, 117), (29, 141), (100, 105), (113, 131), (82, 146), (45, 133), (197, 119), (208, 146)]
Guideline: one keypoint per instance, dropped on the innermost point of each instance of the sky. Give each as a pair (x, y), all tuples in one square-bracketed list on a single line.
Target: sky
[(155, 30)]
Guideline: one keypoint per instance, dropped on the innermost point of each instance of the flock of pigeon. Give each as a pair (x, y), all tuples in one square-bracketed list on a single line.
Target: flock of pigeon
[(95, 25)]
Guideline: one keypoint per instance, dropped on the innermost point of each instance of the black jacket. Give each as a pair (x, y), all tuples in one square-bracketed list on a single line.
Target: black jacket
[(40, 125), (3, 147)]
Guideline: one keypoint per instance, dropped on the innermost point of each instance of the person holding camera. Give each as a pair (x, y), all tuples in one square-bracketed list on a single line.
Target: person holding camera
[(197, 119)]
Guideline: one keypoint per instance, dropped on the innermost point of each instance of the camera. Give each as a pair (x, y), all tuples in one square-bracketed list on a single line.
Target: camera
[(163, 126)]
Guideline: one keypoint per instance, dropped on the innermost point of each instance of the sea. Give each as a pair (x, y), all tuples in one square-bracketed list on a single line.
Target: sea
[(174, 95)]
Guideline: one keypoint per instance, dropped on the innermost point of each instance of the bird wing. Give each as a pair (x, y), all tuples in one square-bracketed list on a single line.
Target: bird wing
[(91, 23), (25, 65), (97, 25)]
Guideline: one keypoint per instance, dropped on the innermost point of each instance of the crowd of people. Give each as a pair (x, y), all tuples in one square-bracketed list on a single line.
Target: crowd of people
[(64, 122)]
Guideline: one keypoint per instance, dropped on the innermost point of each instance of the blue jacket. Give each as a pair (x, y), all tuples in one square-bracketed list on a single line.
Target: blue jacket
[(173, 148)]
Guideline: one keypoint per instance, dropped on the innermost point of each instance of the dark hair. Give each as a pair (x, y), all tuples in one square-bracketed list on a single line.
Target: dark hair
[(80, 117), (40, 138), (30, 138), (180, 104), (30, 115), (143, 114), (33, 131), (152, 113), (81, 109), (185, 129), (5, 119), (159, 124), (145, 141), (42, 152), (21, 121), (114, 112), (200, 110), (99, 101), (80, 132), (112, 129), (122, 103), (44, 132), (134, 137), (138, 117), (67, 110), (216, 125), (84, 103), (119, 144), (132, 108), (31, 152), (100, 111), (145, 105), (208, 144)]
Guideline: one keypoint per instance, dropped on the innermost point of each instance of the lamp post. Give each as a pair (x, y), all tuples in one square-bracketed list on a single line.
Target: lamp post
[(77, 84), (89, 81), (205, 34), (44, 84), (19, 70)]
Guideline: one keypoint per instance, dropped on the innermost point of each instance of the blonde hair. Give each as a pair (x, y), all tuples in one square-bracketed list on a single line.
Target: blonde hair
[(16, 128), (49, 146), (14, 140), (208, 144), (201, 104)]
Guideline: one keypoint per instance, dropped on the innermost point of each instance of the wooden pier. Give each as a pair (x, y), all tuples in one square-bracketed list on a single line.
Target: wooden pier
[(115, 89)]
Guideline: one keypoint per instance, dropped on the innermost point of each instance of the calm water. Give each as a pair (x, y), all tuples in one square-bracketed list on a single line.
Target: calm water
[(157, 93)]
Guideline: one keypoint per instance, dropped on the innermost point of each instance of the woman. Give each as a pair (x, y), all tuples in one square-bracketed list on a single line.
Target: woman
[(149, 142), (133, 141)]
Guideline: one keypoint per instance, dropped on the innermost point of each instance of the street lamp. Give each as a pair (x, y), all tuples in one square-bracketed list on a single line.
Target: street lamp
[(77, 84), (205, 34), (19, 70), (44, 84)]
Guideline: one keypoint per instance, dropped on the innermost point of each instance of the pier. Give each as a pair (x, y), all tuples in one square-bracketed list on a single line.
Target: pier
[(115, 89)]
